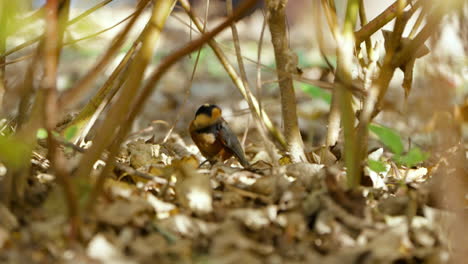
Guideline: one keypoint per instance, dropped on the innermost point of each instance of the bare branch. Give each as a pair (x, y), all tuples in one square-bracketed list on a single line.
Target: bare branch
[(285, 63)]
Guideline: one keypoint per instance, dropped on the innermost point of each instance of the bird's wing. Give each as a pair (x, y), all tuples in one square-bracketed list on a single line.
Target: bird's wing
[(229, 139)]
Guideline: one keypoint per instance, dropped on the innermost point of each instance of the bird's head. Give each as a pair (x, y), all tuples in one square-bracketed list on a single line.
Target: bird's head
[(207, 115)]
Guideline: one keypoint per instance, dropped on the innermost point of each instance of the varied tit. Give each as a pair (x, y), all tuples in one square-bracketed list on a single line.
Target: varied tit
[(213, 136)]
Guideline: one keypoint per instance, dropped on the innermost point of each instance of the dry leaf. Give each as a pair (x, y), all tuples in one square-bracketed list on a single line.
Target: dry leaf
[(103, 250), (193, 189), (121, 212)]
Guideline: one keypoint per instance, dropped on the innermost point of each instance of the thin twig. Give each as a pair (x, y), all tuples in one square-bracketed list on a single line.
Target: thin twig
[(330, 14), (235, 37), (269, 146), (343, 76), (417, 24), (334, 118), (52, 45), (240, 62), (21, 46), (3, 39), (258, 67), (363, 19), (74, 41), (22, 58), (88, 12)]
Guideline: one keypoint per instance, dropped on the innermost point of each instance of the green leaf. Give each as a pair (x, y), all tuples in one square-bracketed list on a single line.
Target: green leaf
[(41, 133), (316, 92), (376, 165), (389, 138), (412, 158), (14, 152), (70, 133)]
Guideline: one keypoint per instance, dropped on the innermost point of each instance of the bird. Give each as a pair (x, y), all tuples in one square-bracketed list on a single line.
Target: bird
[(213, 136)]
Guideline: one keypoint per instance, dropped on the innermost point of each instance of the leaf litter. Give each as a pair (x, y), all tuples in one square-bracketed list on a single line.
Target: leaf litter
[(294, 213)]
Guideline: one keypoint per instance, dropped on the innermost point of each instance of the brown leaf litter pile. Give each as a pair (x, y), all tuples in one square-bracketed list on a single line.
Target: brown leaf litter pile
[(158, 206)]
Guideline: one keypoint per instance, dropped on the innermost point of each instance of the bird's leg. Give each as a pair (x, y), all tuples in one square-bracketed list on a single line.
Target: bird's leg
[(201, 164)]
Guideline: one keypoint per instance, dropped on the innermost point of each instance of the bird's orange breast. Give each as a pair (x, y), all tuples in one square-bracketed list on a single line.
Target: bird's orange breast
[(210, 146)]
